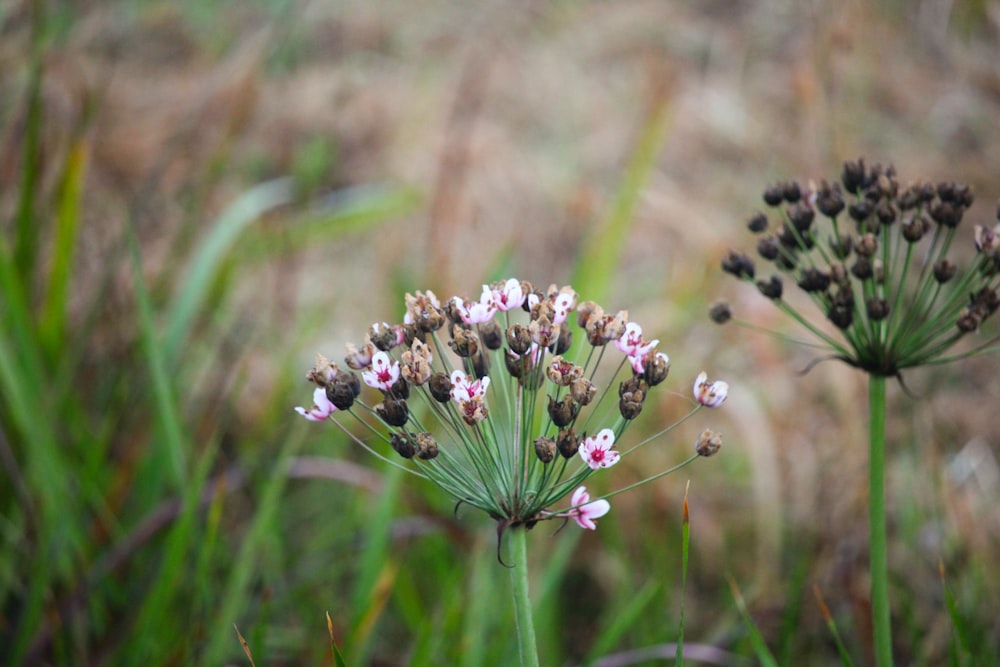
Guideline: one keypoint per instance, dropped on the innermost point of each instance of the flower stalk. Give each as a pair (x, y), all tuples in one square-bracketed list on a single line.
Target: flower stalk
[(517, 541), (873, 258)]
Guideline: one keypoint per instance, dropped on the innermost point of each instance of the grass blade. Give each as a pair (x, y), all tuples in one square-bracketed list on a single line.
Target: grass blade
[(845, 657), (764, 654), (685, 545), (206, 263)]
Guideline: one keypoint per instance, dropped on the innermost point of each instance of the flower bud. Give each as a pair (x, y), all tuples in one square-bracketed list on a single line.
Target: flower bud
[(545, 449), (738, 264), (582, 390), (878, 308), (402, 444), (720, 312), (563, 412), (772, 289), (757, 223), (383, 336), (440, 387), (518, 339), (562, 372), (393, 412), (708, 443), (427, 447), (323, 373), (464, 342), (568, 443), (491, 335), (631, 396), (655, 368), (343, 390)]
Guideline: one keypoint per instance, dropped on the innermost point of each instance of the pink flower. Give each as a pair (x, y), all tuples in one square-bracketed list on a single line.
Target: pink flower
[(477, 312), (562, 304), (597, 450), (510, 296), (464, 388), (631, 342), (321, 409), (587, 511), (384, 372), (711, 395)]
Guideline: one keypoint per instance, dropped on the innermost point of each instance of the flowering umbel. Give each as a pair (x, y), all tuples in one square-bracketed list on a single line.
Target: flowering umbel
[(489, 399), (872, 255)]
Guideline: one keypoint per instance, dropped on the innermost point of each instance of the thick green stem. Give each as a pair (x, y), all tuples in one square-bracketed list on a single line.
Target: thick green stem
[(876, 519), (517, 539)]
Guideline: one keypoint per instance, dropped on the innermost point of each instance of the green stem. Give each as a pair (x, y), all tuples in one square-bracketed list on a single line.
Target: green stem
[(517, 539), (876, 519)]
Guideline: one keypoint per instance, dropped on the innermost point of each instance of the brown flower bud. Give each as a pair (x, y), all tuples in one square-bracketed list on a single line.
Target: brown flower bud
[(631, 396), (518, 339), (708, 443), (424, 311), (543, 331), (343, 390), (393, 412), (563, 412), (440, 386), (464, 342), (564, 341), (568, 443), (656, 368), (427, 447), (757, 223), (582, 390), (491, 334), (545, 449), (878, 308), (403, 445), (324, 372), (738, 264), (720, 313), (867, 245), (383, 336), (944, 271)]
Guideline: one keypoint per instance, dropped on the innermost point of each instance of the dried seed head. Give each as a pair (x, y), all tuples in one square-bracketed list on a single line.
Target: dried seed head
[(416, 364), (877, 308), (563, 412), (343, 390), (440, 387), (708, 443), (829, 199), (656, 368), (568, 443), (814, 280), (427, 447), (757, 223), (853, 175), (944, 270), (867, 245), (543, 331), (862, 268), (464, 342), (738, 264), (801, 215), (772, 288), (518, 339), (545, 449), (631, 396), (720, 312), (323, 373), (564, 341), (562, 372), (393, 412), (768, 248), (774, 194), (403, 445), (841, 246), (383, 336), (583, 390), (491, 335), (424, 311)]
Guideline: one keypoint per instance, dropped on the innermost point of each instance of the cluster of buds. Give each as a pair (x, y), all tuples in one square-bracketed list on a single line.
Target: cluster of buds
[(873, 256), (507, 416)]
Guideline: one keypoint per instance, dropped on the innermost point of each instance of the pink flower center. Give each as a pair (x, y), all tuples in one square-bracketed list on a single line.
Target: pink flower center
[(597, 455)]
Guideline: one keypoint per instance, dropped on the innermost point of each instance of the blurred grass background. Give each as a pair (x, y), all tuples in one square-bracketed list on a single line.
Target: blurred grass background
[(198, 196)]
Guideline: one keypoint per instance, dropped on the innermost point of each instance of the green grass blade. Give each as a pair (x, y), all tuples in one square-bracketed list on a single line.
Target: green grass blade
[(602, 250), (27, 229), (52, 323), (960, 641), (764, 654), (206, 263), (622, 621), (234, 596), (169, 447), (338, 657)]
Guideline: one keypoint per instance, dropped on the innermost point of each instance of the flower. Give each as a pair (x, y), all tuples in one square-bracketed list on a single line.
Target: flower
[(516, 458), (871, 255), (384, 372), (321, 409), (509, 295), (584, 511), (710, 394), (597, 450)]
